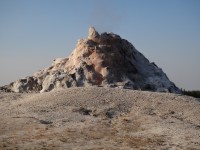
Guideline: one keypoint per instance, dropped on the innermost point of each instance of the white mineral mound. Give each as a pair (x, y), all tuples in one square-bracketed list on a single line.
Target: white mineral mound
[(100, 59)]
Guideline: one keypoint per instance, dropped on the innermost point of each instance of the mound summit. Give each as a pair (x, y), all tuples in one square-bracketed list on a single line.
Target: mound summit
[(104, 60)]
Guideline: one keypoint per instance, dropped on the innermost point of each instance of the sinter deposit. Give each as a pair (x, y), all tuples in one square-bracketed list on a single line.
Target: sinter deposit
[(100, 59)]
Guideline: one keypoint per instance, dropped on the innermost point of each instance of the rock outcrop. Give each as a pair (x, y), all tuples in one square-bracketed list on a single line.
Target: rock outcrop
[(100, 60)]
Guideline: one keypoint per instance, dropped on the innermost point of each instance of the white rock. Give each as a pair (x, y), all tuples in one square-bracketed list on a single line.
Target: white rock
[(99, 60)]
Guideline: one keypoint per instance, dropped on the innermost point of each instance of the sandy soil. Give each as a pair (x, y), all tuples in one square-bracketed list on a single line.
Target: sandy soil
[(99, 118)]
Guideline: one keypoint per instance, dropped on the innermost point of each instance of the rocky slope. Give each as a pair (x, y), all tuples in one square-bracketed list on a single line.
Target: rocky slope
[(103, 60)]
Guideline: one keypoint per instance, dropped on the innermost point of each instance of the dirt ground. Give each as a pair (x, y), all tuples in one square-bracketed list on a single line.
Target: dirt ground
[(98, 118)]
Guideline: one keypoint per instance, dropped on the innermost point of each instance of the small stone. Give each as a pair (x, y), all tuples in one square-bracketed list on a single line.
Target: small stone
[(45, 122)]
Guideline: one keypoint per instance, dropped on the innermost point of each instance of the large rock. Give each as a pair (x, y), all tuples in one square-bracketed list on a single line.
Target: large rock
[(93, 34), (99, 60)]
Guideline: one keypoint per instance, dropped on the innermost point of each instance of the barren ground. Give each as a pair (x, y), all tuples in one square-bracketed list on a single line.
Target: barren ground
[(99, 118)]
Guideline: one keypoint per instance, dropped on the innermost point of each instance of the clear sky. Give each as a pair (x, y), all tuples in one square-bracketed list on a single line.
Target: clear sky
[(34, 32)]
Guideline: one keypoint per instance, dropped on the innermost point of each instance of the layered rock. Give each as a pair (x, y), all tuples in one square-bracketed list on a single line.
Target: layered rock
[(100, 60)]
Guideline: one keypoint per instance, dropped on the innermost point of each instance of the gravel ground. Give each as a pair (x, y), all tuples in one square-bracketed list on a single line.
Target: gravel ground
[(99, 118)]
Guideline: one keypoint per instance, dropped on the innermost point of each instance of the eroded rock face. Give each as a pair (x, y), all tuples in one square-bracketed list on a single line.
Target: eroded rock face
[(99, 60)]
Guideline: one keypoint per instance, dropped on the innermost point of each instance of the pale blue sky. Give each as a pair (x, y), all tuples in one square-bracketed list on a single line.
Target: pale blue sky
[(34, 32)]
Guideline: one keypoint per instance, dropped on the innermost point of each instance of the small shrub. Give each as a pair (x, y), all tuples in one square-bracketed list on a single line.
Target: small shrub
[(195, 94)]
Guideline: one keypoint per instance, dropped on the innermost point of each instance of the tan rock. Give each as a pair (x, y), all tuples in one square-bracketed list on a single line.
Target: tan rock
[(93, 34)]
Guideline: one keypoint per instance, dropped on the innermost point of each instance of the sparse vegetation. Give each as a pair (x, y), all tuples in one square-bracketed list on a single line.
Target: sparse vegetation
[(191, 93)]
